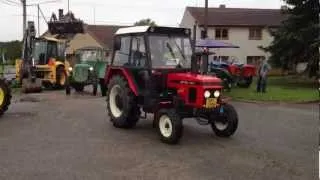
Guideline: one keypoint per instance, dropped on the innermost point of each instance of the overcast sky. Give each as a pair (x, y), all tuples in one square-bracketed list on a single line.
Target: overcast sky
[(114, 12)]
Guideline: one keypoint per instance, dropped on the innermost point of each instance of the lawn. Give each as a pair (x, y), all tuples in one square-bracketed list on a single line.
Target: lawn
[(281, 89)]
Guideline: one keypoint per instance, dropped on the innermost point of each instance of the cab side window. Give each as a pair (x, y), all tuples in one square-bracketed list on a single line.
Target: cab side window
[(138, 52), (121, 56)]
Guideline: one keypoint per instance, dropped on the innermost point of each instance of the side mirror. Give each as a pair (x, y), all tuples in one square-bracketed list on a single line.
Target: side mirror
[(117, 43)]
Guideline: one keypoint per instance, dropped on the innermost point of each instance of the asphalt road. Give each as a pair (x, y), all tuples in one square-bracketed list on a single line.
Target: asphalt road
[(51, 136)]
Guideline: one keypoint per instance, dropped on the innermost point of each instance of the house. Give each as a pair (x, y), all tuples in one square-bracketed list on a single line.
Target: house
[(94, 35), (247, 28)]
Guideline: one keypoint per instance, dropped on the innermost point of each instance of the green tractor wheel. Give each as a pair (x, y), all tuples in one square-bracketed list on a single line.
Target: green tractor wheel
[(78, 87), (5, 96)]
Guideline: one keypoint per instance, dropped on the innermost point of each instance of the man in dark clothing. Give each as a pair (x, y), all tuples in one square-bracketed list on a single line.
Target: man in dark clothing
[(264, 68)]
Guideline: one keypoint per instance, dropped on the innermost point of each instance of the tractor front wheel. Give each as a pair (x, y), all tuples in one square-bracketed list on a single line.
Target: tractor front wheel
[(226, 123), (5, 96), (78, 87), (170, 126), (121, 103), (103, 88), (95, 86)]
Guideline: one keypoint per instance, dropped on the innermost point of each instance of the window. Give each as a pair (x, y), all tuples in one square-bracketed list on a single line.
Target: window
[(170, 51), (138, 52), (222, 33), (221, 58), (254, 60), (255, 34), (121, 56)]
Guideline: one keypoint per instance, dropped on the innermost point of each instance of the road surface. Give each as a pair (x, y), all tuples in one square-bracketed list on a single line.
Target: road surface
[(51, 136)]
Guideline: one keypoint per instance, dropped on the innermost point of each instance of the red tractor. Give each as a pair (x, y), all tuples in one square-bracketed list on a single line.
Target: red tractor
[(153, 70)]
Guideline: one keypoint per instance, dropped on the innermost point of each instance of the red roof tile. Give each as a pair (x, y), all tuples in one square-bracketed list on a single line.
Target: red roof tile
[(103, 33)]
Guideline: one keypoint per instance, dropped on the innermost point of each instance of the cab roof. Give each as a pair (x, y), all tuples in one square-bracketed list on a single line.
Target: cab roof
[(153, 29)]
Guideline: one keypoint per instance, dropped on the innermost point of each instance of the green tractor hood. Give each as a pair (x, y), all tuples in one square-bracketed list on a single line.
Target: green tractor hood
[(81, 72)]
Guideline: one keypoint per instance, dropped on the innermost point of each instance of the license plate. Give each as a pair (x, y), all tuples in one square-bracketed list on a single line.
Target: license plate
[(211, 102)]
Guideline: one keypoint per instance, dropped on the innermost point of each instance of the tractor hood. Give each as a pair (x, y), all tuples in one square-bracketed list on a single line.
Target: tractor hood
[(192, 78), (81, 72)]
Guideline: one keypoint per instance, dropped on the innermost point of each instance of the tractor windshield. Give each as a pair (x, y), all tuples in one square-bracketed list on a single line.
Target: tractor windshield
[(170, 51), (44, 50), (89, 56)]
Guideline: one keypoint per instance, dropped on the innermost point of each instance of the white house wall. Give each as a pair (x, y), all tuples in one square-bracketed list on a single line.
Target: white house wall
[(240, 37), (188, 21)]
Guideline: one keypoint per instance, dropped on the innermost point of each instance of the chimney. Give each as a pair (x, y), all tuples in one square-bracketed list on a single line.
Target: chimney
[(222, 6), (60, 14)]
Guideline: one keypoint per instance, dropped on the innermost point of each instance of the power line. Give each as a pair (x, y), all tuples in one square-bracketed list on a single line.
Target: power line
[(8, 3), (13, 2)]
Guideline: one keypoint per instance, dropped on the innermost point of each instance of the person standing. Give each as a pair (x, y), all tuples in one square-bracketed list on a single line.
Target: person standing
[(263, 70)]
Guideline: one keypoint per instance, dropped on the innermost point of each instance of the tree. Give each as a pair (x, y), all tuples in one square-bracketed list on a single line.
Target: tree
[(11, 50), (145, 22), (297, 39)]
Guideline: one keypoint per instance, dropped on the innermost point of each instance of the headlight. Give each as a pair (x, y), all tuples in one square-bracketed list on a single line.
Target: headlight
[(207, 94), (216, 94), (91, 68), (70, 68)]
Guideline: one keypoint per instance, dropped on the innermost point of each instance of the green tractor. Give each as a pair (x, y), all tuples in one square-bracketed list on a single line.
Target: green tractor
[(88, 68)]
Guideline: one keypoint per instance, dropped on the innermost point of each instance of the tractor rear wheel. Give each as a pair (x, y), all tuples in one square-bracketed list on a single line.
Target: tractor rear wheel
[(121, 103), (170, 126), (225, 124), (61, 77), (5, 96)]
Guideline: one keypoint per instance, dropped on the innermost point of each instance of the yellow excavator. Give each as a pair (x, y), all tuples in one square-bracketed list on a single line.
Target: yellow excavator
[(43, 58)]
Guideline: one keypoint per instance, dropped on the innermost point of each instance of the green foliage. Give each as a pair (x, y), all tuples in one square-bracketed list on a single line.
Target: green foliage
[(297, 39), (145, 22), (11, 51)]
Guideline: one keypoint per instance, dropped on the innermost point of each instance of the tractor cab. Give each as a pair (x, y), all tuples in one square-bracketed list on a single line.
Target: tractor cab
[(45, 49)]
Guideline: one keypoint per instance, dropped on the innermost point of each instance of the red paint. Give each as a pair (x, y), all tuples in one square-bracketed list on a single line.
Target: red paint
[(200, 84), (248, 70), (111, 71)]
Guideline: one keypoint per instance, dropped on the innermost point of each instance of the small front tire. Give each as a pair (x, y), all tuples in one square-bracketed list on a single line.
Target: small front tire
[(225, 124), (169, 125)]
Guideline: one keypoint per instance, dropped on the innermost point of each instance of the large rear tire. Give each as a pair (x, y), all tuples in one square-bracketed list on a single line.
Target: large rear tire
[(169, 125), (5, 96), (121, 103), (226, 124)]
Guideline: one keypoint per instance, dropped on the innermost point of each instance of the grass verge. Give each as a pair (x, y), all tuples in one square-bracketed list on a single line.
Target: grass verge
[(279, 89)]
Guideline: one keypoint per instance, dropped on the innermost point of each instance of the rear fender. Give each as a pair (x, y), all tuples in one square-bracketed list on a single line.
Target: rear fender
[(111, 71), (248, 71)]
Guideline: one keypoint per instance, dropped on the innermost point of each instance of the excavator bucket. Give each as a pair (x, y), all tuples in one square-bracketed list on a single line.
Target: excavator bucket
[(65, 27), (65, 24)]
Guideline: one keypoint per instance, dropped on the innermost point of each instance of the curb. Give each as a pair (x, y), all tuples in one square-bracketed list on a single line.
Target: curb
[(275, 102)]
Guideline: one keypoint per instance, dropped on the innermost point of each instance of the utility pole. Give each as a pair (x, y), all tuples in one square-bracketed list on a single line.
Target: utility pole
[(206, 19), (38, 20), (68, 7), (24, 6)]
